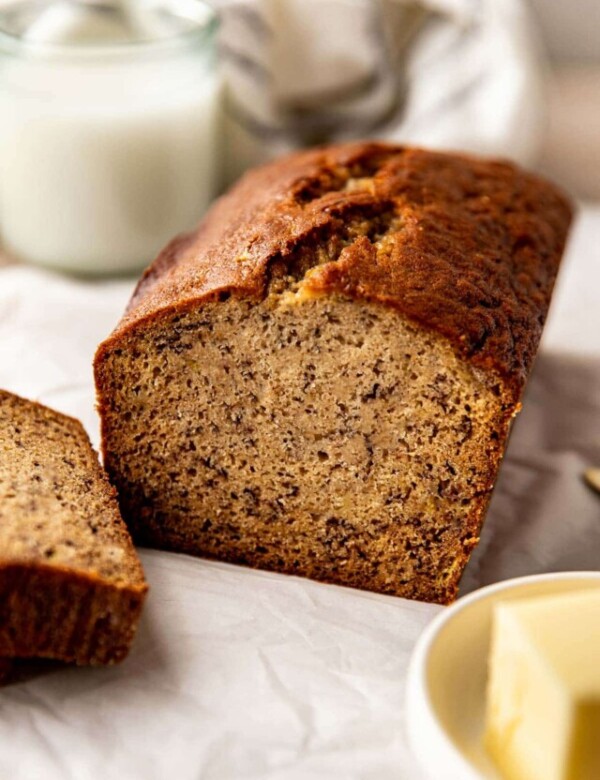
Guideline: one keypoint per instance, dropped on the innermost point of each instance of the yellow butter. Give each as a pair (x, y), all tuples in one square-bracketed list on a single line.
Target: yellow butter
[(543, 700)]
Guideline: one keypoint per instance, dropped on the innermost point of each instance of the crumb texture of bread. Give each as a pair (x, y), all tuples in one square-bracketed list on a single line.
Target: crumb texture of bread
[(71, 584), (322, 378)]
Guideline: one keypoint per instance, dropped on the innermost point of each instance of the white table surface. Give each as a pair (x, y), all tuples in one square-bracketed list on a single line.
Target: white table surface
[(244, 674)]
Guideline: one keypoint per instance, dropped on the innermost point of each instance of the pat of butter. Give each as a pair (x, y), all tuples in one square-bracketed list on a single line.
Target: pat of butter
[(543, 703)]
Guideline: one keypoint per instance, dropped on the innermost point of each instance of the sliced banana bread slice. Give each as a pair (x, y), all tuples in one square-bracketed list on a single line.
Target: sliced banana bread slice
[(71, 584)]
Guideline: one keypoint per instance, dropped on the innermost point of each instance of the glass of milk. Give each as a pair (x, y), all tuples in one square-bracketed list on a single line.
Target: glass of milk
[(108, 129)]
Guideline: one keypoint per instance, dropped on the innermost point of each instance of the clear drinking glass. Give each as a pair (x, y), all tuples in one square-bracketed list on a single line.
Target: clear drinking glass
[(109, 117)]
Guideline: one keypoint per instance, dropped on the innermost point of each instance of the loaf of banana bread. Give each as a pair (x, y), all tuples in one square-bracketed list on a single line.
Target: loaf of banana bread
[(71, 584), (320, 380)]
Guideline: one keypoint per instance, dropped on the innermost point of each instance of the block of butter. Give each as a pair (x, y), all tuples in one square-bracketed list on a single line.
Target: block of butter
[(543, 698)]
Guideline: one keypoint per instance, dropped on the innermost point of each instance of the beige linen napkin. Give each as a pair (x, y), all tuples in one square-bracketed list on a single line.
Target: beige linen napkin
[(462, 74)]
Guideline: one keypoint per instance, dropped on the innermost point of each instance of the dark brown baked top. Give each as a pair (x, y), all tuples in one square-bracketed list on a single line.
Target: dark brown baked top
[(466, 247)]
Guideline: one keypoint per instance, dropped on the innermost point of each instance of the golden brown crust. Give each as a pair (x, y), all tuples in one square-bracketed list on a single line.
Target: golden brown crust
[(52, 612), (473, 256)]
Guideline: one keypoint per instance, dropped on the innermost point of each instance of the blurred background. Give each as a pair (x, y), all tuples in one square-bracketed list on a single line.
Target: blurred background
[(519, 78), (570, 150), (121, 120)]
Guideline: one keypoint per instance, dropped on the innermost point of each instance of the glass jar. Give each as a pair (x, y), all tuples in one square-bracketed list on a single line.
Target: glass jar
[(108, 129)]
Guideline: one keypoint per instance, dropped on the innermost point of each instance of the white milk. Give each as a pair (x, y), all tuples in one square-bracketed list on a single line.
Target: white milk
[(104, 158)]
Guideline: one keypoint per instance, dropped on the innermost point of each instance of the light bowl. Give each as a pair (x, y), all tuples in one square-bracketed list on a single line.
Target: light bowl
[(448, 674)]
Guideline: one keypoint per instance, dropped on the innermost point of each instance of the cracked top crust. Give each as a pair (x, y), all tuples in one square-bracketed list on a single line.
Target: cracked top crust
[(465, 247)]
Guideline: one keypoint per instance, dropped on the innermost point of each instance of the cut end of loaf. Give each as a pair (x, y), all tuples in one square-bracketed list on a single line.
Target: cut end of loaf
[(313, 435)]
